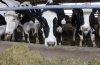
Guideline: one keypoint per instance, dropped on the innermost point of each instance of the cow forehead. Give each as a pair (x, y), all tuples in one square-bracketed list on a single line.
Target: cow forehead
[(49, 15), (87, 10), (11, 13)]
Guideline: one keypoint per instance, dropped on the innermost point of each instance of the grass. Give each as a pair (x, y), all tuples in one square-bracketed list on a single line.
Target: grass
[(20, 54)]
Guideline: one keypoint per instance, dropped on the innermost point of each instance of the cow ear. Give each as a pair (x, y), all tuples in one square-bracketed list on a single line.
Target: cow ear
[(20, 16)]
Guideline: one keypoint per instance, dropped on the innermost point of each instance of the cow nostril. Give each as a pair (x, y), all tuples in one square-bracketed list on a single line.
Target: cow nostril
[(51, 43), (7, 33), (84, 29)]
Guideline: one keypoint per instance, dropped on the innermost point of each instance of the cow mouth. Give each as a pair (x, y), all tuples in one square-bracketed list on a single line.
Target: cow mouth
[(7, 37)]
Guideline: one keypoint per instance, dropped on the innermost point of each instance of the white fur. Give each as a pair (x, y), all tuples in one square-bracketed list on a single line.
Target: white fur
[(50, 1), (49, 16), (59, 29), (12, 3), (81, 39), (63, 21), (74, 34), (43, 33), (30, 25)]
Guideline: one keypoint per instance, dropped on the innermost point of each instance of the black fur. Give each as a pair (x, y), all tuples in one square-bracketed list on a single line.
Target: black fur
[(77, 18), (46, 28), (2, 20), (27, 15)]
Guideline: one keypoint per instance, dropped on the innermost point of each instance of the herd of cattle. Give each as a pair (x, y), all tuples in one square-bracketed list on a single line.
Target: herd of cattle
[(47, 21)]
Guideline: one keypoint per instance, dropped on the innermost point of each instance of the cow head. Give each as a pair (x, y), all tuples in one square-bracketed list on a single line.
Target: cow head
[(87, 23), (82, 19), (50, 28), (12, 20)]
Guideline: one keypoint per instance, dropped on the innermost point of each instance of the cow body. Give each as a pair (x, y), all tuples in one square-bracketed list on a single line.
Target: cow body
[(83, 20), (52, 25)]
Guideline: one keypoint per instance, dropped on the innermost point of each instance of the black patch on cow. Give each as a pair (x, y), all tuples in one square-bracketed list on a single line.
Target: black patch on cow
[(28, 15), (26, 18), (77, 18), (92, 20), (80, 32), (55, 25), (2, 20), (60, 12), (46, 28)]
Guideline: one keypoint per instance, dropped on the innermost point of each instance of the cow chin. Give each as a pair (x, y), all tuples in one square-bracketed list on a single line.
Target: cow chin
[(50, 42), (7, 37)]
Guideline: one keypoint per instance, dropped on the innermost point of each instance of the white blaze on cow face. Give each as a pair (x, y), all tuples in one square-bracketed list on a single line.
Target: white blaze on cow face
[(12, 22), (51, 39), (86, 26)]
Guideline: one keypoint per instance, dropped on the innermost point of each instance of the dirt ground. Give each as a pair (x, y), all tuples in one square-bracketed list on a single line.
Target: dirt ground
[(64, 51)]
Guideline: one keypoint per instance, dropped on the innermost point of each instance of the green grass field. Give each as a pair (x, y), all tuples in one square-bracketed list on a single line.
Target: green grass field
[(20, 54)]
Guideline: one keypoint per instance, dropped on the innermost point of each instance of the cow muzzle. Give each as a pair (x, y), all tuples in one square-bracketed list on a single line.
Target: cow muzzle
[(85, 28), (51, 43)]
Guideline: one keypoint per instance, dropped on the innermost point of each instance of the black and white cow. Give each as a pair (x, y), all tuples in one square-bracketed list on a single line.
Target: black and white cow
[(52, 25), (3, 22), (29, 21), (83, 20), (11, 18)]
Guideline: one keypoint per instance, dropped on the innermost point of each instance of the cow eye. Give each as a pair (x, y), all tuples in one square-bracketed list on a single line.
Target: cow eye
[(26, 5), (22, 5)]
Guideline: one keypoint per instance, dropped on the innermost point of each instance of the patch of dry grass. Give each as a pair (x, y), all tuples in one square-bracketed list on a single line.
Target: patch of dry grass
[(20, 54)]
